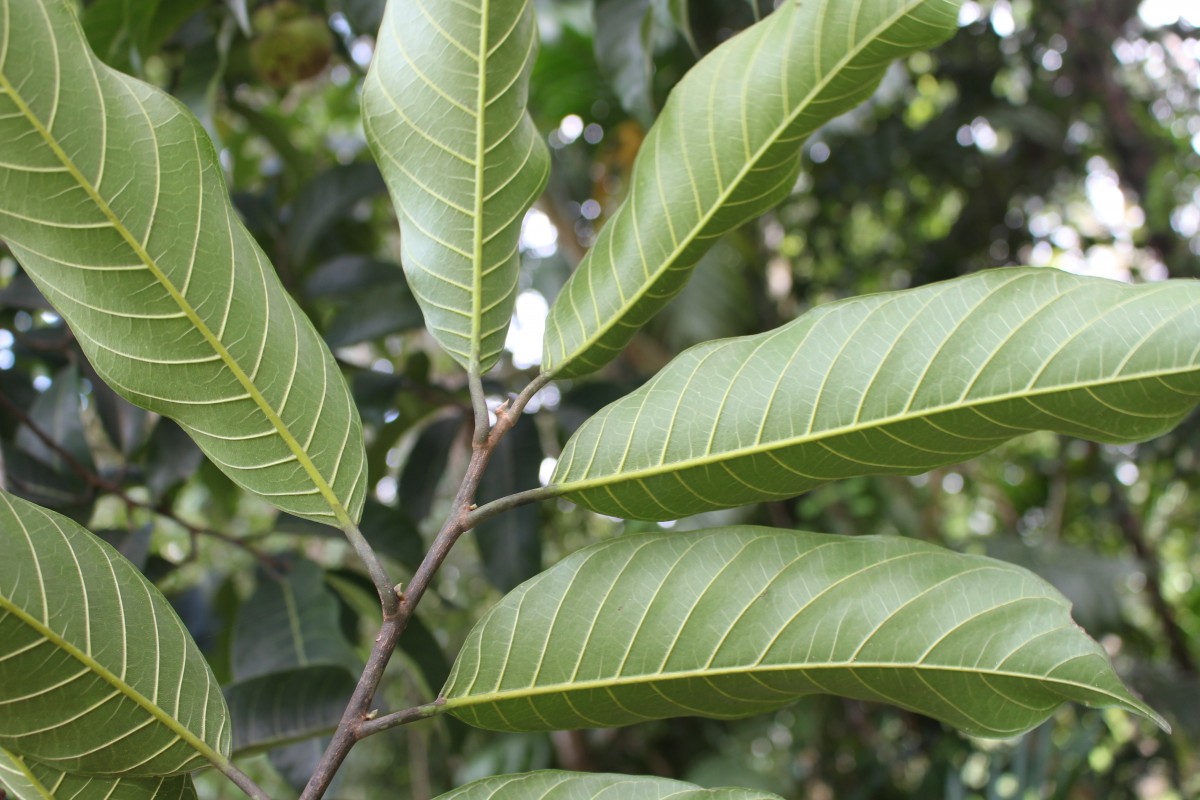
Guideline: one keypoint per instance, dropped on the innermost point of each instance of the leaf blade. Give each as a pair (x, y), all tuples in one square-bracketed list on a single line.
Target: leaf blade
[(29, 780), (895, 383), (170, 297), (444, 107), (730, 622), (75, 652), (592, 786), (692, 183)]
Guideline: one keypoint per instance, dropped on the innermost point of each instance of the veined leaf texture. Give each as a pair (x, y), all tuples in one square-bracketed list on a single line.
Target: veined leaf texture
[(112, 199), (25, 779), (895, 383), (444, 111), (97, 673), (725, 149), (730, 622)]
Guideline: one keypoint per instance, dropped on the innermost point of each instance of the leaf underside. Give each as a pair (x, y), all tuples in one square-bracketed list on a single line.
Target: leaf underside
[(895, 383), (731, 622), (444, 112), (97, 673), (29, 780), (557, 785), (725, 149), (112, 198)]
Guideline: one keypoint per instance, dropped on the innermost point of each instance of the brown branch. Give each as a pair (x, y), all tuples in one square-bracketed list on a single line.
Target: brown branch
[(98, 483), (358, 720), (1135, 535)]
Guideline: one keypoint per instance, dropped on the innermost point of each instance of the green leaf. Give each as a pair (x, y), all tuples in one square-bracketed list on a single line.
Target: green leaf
[(681, 15), (426, 464), (29, 780), (56, 412), (115, 205), (510, 544), (730, 622), (556, 785), (624, 46), (725, 149), (286, 707), (290, 621), (895, 383), (444, 111), (97, 673), (324, 200)]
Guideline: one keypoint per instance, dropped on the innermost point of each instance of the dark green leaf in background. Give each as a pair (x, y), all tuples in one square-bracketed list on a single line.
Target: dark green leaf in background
[(290, 621), (510, 544), (624, 44), (423, 471), (288, 706)]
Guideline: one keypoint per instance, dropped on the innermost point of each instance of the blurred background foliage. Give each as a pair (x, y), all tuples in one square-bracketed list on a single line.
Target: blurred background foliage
[(1064, 135)]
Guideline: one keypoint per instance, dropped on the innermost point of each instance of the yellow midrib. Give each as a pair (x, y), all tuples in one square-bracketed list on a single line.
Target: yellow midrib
[(302, 457), (795, 441), (197, 744), (29, 776), (480, 153), (485, 698)]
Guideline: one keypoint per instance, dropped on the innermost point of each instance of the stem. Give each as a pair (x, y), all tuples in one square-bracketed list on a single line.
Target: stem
[(398, 718), (241, 780), (479, 403), (101, 484), (357, 721), (489, 510), (383, 584), (1135, 535)]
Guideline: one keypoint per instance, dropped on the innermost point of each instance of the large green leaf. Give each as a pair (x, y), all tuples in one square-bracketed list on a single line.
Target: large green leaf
[(556, 785), (28, 780), (112, 199), (444, 110), (729, 622), (895, 383), (725, 149), (97, 673)]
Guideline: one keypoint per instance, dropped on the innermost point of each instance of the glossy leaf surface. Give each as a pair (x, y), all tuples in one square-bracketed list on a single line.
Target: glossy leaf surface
[(97, 673), (557, 785), (112, 198), (895, 383), (28, 780), (725, 149), (730, 622), (444, 111)]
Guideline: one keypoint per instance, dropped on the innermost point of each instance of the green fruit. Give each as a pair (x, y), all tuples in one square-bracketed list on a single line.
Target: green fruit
[(293, 51)]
